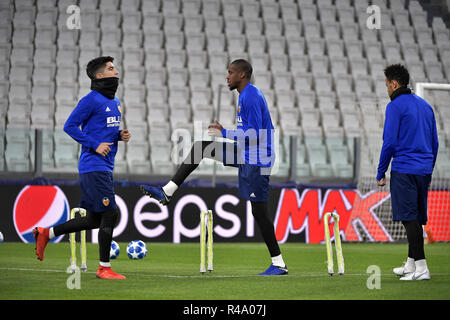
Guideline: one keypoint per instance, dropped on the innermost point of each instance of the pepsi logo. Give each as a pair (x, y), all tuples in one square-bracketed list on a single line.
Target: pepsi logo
[(39, 206)]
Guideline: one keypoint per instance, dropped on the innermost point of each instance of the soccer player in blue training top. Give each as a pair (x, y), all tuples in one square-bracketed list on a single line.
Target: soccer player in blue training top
[(99, 115), (410, 139), (252, 152)]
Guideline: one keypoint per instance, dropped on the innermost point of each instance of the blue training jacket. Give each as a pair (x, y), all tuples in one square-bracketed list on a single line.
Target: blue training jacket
[(99, 118), (255, 131), (409, 137)]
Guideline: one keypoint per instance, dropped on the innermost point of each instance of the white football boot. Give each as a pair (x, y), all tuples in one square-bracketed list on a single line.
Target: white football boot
[(417, 275), (407, 267)]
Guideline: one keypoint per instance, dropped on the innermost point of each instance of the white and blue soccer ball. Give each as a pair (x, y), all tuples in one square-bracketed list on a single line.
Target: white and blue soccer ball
[(114, 251), (1, 237), (136, 250)]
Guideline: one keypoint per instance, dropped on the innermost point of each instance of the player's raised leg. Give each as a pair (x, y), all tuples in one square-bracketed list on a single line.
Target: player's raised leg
[(199, 150)]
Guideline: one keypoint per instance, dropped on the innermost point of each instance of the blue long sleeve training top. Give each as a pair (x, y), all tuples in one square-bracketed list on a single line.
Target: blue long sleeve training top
[(254, 129), (409, 137), (99, 118)]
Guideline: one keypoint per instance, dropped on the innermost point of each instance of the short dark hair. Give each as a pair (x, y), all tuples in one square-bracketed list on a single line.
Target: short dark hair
[(244, 66), (397, 72), (96, 64)]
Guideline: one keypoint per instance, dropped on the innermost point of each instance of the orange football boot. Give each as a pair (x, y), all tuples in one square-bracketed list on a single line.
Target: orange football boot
[(108, 273), (42, 238)]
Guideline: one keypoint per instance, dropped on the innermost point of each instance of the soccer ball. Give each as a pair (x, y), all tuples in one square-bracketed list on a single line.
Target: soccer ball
[(1, 237), (136, 249), (114, 251)]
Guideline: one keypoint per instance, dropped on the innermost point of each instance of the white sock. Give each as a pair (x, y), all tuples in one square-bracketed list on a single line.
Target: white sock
[(421, 265), (105, 264), (51, 233), (278, 261), (170, 188)]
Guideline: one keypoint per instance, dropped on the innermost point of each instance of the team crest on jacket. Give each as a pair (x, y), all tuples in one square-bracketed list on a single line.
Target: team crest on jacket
[(105, 201)]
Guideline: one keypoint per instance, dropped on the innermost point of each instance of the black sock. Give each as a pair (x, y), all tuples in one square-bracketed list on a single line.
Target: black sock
[(414, 233), (90, 221), (105, 232), (260, 213), (191, 162)]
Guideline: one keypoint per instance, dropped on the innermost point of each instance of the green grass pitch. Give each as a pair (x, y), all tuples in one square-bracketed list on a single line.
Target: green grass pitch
[(171, 272)]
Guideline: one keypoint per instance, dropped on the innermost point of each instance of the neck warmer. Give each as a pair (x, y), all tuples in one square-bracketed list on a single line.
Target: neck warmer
[(399, 92), (106, 86)]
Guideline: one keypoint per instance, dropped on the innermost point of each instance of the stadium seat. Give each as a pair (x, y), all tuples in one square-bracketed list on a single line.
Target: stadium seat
[(131, 17), (42, 91), (319, 65), (21, 54), (254, 27), (323, 83), (155, 58), (132, 58), (66, 151), (200, 95), (111, 18), (151, 6), (175, 59), (299, 62), (152, 21), (16, 157), (293, 28), (42, 113), (434, 72), (23, 35), (316, 47), (214, 23), (133, 40), (282, 80), (177, 77), (310, 118), (330, 119), (138, 158), (286, 99), (279, 63), (45, 56), (308, 12), (195, 42), (19, 73), (289, 117), (273, 27), (174, 40), (306, 100)]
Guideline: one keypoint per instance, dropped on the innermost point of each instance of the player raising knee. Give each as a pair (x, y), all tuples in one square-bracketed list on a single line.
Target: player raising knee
[(252, 153)]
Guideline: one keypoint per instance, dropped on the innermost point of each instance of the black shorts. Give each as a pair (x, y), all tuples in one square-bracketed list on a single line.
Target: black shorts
[(409, 196), (97, 191), (253, 179)]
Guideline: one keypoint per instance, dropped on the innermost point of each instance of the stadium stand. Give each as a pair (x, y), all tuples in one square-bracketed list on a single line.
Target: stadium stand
[(316, 61)]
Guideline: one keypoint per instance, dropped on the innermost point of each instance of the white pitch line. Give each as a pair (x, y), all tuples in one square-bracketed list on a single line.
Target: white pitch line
[(210, 276)]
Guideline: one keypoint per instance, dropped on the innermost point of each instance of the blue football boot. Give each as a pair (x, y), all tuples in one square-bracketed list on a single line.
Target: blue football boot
[(275, 271), (156, 193)]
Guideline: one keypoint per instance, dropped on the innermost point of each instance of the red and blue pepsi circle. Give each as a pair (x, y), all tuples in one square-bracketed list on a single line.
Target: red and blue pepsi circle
[(39, 206)]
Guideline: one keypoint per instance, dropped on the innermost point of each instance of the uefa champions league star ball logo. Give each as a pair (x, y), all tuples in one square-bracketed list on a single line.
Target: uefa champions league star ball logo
[(43, 206), (136, 250), (114, 251)]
